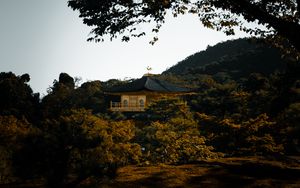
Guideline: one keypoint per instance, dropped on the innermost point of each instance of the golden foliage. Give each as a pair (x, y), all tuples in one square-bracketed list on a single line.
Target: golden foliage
[(175, 141)]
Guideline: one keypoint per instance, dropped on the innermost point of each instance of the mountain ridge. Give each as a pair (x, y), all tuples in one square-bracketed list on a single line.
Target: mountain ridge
[(238, 58)]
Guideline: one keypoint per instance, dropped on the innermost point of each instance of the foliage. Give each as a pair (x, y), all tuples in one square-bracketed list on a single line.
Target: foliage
[(239, 83), (57, 99), (69, 135), (16, 96), (63, 96), (279, 18), (175, 141), (12, 129), (289, 121), (237, 58), (77, 143), (255, 136), (12, 132), (89, 96), (167, 108)]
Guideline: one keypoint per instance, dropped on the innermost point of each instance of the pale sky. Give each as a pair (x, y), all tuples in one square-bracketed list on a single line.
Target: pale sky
[(45, 37)]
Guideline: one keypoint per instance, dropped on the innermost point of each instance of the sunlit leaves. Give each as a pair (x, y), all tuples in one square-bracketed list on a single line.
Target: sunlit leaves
[(12, 129), (175, 141), (13, 133)]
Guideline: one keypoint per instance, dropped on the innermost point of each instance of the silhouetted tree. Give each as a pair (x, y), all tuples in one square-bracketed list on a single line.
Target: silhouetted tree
[(16, 96), (281, 17), (58, 98), (89, 95), (65, 79)]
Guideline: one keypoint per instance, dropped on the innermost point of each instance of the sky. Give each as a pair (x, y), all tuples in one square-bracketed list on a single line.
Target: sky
[(46, 37)]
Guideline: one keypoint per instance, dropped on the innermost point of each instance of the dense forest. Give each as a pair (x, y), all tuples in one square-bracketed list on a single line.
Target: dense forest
[(245, 102), (236, 58)]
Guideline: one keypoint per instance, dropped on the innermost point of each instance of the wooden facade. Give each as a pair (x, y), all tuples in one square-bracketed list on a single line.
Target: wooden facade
[(137, 95), (130, 103)]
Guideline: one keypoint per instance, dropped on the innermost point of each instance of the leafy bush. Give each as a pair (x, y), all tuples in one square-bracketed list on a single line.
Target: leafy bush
[(167, 108), (252, 137), (175, 141), (80, 144), (289, 121), (13, 131)]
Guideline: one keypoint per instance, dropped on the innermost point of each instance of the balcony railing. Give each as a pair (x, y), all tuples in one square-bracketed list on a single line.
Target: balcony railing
[(118, 106)]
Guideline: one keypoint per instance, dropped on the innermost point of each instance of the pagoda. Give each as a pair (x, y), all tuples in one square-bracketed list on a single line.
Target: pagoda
[(135, 96)]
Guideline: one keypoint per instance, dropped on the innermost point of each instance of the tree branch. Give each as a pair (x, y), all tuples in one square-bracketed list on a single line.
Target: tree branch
[(288, 29)]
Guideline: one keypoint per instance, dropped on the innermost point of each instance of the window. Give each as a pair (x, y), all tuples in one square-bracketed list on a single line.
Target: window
[(125, 103), (142, 103)]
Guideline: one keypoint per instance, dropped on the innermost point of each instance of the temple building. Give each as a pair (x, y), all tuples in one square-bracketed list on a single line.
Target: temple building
[(138, 94)]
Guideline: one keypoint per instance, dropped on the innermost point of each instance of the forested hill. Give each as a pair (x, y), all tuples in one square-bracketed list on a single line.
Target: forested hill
[(71, 138), (238, 58)]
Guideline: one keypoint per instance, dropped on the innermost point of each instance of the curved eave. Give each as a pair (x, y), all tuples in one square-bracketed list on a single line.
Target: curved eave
[(149, 92)]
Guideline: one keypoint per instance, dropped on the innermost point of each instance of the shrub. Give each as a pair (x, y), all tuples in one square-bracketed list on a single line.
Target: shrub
[(175, 141)]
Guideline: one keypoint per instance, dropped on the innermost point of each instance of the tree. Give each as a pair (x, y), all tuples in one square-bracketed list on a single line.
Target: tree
[(281, 18), (175, 141), (76, 144), (16, 96), (48, 153), (167, 108), (89, 96), (289, 120), (254, 136), (13, 132), (58, 98)]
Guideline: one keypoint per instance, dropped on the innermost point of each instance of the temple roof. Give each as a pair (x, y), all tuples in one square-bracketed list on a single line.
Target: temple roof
[(148, 83)]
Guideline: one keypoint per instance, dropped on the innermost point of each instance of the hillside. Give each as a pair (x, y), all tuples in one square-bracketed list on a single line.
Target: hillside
[(228, 172), (239, 127), (237, 58)]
